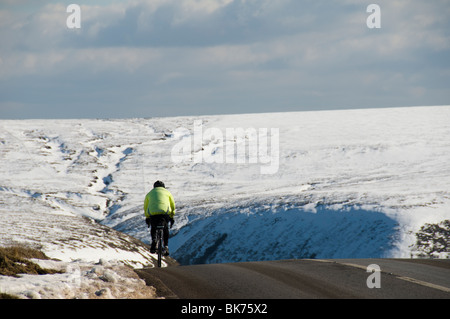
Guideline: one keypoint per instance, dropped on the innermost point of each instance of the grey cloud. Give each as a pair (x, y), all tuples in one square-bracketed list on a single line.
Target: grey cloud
[(239, 22), (247, 56)]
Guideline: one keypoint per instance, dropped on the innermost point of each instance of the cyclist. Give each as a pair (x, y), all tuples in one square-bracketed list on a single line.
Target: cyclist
[(159, 208)]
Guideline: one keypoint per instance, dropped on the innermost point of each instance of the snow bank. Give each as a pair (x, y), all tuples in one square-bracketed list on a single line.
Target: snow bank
[(79, 280)]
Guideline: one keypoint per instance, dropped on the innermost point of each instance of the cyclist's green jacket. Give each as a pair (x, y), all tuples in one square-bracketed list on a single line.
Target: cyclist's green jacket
[(159, 201)]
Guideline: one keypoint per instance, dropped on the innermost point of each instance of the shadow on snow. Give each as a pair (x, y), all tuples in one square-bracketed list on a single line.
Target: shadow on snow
[(295, 233)]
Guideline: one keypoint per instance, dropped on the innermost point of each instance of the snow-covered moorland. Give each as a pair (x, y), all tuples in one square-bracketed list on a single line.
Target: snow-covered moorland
[(350, 183)]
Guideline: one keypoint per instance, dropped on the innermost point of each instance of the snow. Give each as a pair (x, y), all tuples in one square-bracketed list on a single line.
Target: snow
[(79, 280), (330, 184)]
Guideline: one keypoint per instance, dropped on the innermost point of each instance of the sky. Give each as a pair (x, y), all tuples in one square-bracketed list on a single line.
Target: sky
[(158, 58)]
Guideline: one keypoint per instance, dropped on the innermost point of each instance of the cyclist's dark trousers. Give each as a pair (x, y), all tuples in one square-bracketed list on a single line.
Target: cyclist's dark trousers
[(156, 220)]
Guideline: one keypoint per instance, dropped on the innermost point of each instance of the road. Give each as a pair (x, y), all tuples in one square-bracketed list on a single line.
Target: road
[(296, 279)]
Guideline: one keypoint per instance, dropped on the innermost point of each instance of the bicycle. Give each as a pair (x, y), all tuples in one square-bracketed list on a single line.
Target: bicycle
[(159, 243)]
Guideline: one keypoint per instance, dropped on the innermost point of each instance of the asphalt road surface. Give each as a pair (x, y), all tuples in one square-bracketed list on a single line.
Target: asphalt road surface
[(311, 278)]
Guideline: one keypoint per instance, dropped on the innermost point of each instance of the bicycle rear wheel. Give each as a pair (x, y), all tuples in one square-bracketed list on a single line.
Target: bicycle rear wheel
[(160, 246)]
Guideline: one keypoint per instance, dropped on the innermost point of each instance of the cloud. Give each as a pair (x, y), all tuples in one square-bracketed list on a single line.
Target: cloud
[(176, 23), (174, 57)]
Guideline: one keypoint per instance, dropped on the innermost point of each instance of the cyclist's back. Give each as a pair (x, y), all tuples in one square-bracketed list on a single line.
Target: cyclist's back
[(159, 209), (159, 201)]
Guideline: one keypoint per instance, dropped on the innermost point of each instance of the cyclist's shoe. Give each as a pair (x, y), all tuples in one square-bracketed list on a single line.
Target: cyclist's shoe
[(153, 248), (166, 251)]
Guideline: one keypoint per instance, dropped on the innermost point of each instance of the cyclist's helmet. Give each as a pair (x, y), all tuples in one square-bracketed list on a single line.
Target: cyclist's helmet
[(159, 184)]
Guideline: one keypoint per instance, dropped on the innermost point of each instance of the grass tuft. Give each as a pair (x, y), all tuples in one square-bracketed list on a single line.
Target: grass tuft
[(14, 260), (7, 296)]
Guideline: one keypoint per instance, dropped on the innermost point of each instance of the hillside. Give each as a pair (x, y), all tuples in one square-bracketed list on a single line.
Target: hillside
[(327, 184)]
